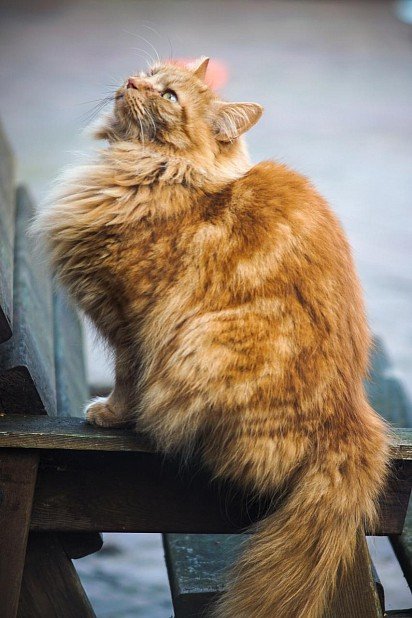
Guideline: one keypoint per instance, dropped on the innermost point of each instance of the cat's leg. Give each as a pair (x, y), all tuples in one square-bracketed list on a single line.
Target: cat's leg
[(118, 408)]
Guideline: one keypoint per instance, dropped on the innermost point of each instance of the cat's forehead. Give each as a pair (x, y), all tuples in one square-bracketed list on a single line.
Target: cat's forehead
[(168, 73)]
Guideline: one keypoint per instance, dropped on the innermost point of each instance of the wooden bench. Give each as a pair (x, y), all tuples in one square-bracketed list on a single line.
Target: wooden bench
[(41, 372), (63, 482), (62, 475)]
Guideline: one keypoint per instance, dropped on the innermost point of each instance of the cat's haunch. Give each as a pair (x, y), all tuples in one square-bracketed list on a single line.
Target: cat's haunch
[(229, 296)]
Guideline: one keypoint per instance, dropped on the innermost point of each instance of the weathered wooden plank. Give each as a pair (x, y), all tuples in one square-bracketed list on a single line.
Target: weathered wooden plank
[(377, 582), (75, 434), (27, 379), (356, 592), (7, 209), (145, 492), (18, 471), (42, 432), (138, 492), (389, 397), (394, 501), (197, 565), (71, 386), (402, 546), (51, 586)]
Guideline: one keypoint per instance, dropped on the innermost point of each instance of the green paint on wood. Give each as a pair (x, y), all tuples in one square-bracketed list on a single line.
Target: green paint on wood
[(71, 385), (205, 555), (196, 565), (389, 398), (27, 379)]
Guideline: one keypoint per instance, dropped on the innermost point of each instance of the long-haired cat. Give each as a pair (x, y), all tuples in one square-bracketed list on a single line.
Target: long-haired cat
[(229, 296)]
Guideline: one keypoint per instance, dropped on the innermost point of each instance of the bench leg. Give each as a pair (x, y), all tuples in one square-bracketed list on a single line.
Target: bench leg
[(18, 471), (357, 595), (51, 586)]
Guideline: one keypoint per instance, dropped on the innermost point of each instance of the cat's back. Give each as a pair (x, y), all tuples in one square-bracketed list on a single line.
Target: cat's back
[(284, 242), (276, 209), (276, 192), (301, 251)]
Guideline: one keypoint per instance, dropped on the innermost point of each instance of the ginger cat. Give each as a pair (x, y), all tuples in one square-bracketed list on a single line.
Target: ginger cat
[(230, 298)]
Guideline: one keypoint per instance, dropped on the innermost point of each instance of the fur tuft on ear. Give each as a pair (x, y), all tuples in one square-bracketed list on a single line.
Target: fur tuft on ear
[(199, 67), (233, 119)]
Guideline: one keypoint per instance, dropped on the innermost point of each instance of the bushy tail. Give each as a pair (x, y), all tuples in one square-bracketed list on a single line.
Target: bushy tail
[(291, 565)]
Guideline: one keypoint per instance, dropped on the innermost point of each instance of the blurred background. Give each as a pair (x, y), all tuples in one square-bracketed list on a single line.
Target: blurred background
[(335, 78)]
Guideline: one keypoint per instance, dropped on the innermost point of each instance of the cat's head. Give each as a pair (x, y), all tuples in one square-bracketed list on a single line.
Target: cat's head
[(171, 105)]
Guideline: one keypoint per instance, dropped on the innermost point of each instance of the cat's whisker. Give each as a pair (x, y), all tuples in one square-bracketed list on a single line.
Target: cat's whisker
[(88, 102), (139, 36), (89, 116), (160, 37), (156, 32), (149, 58), (142, 38)]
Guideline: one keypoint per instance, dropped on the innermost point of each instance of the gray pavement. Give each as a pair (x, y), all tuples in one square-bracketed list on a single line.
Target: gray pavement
[(336, 82)]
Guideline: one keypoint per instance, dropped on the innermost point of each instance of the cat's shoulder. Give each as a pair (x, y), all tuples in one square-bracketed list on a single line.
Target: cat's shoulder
[(272, 187), (274, 176)]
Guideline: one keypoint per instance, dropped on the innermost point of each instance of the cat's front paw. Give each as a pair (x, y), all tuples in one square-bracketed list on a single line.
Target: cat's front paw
[(99, 412)]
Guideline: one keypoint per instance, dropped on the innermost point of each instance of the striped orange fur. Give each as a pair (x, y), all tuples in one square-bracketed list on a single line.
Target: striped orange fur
[(229, 296)]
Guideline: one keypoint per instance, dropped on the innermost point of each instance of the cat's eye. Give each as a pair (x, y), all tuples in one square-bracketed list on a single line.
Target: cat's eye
[(170, 96)]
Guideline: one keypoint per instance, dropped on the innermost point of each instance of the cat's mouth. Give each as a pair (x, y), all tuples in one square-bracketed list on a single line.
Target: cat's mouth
[(133, 102), (132, 109), (131, 98)]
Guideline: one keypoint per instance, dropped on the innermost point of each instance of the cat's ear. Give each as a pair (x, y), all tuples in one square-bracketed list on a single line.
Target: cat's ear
[(233, 119), (199, 67)]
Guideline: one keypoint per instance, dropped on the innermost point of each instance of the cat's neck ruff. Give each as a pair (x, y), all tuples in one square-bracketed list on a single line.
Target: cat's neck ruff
[(146, 164), (129, 181)]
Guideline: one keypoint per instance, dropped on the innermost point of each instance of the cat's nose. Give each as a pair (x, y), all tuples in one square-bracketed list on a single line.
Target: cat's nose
[(139, 84), (131, 83)]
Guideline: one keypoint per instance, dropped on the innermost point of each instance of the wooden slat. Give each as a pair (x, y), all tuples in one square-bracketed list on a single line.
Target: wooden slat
[(394, 501), (389, 397), (7, 209), (197, 565), (71, 386), (27, 380), (402, 546), (102, 465), (51, 587), (356, 593), (139, 492), (18, 471), (144, 492), (42, 432)]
